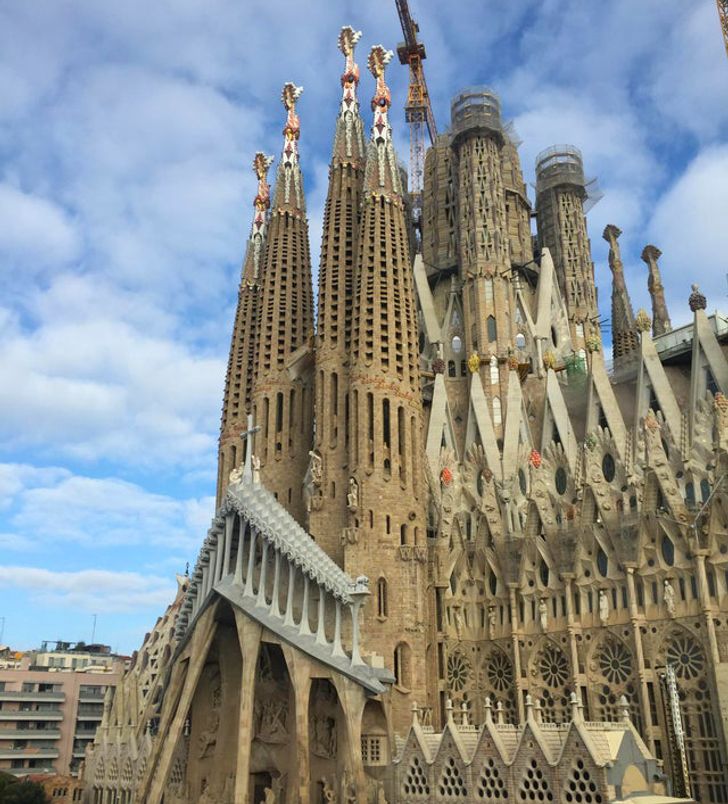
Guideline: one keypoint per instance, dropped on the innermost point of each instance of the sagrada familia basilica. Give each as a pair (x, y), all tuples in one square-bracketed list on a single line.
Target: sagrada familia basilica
[(458, 554)]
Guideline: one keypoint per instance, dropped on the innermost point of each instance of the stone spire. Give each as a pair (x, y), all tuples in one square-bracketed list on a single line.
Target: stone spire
[(387, 493), (560, 197), (282, 395), (624, 334), (660, 317), (237, 399), (328, 507)]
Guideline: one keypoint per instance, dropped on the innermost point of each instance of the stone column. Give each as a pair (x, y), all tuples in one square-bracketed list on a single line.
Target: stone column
[(249, 633), (634, 617)]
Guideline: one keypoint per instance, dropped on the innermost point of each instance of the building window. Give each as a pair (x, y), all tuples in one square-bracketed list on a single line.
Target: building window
[(372, 751), (494, 375), (382, 598), (492, 329), (497, 414)]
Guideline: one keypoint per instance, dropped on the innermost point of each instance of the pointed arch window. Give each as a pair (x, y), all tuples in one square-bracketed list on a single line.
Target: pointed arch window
[(382, 598), (489, 291), (494, 375), (492, 329)]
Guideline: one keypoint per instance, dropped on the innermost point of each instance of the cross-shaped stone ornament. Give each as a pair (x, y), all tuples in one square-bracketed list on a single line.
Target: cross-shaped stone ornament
[(249, 433)]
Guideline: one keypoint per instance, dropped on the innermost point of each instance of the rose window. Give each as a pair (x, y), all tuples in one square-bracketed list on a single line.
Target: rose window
[(615, 662), (458, 671), (687, 658), (500, 672), (553, 666)]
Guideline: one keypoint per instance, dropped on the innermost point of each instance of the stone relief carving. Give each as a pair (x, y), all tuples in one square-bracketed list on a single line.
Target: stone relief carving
[(328, 792), (669, 595), (324, 736), (543, 614), (603, 607), (271, 718), (207, 740)]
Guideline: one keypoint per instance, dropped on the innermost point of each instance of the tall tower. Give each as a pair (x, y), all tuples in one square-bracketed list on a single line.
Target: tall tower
[(387, 540), (560, 196), (660, 317), (328, 505), (282, 396), (485, 262), (624, 333), (237, 399)]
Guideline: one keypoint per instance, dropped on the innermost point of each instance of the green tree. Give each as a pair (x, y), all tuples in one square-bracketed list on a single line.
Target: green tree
[(5, 781), (23, 793)]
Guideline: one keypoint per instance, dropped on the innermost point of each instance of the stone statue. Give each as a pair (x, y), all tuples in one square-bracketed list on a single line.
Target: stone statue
[(324, 736), (381, 798), (255, 462), (236, 476), (269, 796), (491, 622), (603, 607), (543, 614), (349, 794), (458, 617), (668, 594), (352, 497), (317, 468)]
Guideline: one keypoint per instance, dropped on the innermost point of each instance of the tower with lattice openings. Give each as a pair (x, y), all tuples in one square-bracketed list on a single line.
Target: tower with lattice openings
[(624, 332)]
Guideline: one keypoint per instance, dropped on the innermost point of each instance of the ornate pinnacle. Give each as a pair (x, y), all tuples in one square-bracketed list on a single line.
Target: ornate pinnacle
[(292, 130), (348, 38), (377, 62), (697, 300), (261, 164), (642, 321)]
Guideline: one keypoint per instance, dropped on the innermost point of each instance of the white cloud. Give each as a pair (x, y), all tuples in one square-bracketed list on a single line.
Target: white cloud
[(34, 231), (54, 505), (89, 590)]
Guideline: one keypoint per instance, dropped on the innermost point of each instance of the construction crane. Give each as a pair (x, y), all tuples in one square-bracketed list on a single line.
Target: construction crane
[(418, 111), (723, 14)]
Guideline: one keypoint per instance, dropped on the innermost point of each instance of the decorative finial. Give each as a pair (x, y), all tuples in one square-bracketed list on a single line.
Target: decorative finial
[(697, 300), (348, 38), (642, 321), (593, 344), (292, 130), (377, 62), (261, 164), (474, 362)]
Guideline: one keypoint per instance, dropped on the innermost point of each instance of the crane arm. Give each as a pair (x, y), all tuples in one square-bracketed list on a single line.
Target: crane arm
[(409, 29), (723, 14)]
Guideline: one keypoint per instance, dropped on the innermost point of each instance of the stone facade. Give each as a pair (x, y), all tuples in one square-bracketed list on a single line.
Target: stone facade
[(486, 526)]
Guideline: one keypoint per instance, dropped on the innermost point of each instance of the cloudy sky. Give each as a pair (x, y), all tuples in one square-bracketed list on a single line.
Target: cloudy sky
[(126, 137)]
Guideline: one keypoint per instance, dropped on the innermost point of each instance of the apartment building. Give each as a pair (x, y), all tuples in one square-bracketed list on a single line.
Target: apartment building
[(51, 703)]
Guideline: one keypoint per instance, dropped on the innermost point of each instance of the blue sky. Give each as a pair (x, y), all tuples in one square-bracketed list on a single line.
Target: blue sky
[(126, 136)]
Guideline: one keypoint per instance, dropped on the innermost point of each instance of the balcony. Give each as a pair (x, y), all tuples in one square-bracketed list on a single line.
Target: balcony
[(91, 696), (29, 734), (89, 716), (40, 714), (29, 753), (19, 695)]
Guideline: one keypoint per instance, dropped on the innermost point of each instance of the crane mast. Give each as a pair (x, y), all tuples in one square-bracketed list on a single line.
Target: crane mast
[(723, 14), (418, 110)]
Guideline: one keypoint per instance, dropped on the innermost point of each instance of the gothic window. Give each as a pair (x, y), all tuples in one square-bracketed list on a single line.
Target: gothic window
[(560, 480), (457, 344), (493, 582), (705, 489), (451, 783), (534, 786), (608, 467), (415, 782), (579, 329), (451, 370), (458, 671), (489, 291), (520, 341), (544, 573), (491, 784), (700, 716), (494, 375), (580, 788), (492, 329), (602, 563), (551, 682), (690, 494), (668, 550), (614, 668), (522, 482), (372, 752), (382, 598)]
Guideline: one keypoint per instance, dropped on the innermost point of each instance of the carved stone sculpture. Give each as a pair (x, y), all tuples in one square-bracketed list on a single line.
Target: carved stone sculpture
[(207, 740), (669, 596), (603, 607), (352, 497), (543, 614)]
